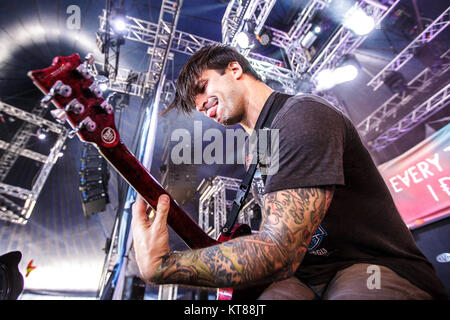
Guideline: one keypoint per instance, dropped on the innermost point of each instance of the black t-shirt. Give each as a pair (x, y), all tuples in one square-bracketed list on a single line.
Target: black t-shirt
[(319, 146)]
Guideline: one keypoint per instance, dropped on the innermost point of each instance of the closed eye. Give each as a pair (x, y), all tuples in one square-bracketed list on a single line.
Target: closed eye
[(202, 87)]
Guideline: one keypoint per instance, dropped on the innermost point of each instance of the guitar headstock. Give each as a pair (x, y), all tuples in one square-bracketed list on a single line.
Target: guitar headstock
[(69, 84)]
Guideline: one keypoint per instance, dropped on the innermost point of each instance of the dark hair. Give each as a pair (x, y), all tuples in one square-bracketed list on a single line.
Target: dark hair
[(214, 57)]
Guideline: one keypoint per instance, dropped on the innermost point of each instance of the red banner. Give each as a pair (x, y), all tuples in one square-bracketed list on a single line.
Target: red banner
[(419, 180)]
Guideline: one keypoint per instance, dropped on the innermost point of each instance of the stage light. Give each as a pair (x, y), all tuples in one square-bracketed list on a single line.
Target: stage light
[(119, 24), (347, 70), (308, 40), (103, 86), (317, 29), (396, 82), (246, 38), (41, 134), (118, 21), (102, 81), (265, 37), (243, 39), (345, 73), (325, 80), (359, 22)]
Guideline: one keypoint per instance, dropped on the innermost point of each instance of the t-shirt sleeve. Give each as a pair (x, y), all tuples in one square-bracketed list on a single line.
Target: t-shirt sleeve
[(311, 146)]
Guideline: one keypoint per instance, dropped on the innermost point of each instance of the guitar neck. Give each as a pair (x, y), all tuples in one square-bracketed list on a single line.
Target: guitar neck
[(143, 182)]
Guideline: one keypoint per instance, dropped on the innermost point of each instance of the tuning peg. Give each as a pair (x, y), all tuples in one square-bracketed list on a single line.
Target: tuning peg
[(96, 90), (62, 89), (87, 123), (59, 115), (58, 88), (75, 106), (107, 107), (84, 71), (89, 58)]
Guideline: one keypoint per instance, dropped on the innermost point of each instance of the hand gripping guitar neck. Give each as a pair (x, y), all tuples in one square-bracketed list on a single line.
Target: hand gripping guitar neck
[(69, 84)]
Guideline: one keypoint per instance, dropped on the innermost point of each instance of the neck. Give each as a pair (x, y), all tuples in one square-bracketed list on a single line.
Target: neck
[(260, 92)]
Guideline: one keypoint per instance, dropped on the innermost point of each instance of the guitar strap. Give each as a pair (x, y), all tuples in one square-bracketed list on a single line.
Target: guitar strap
[(273, 104)]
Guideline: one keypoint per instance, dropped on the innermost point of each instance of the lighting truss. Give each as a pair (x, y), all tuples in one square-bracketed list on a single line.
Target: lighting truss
[(145, 32), (215, 194), (290, 41), (22, 213), (127, 81), (167, 22), (389, 108), (427, 35), (435, 103), (238, 12), (345, 41)]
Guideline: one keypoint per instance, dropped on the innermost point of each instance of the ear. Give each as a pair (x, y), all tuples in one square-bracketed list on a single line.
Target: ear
[(236, 70)]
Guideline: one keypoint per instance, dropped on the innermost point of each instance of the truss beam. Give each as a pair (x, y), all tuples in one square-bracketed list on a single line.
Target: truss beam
[(431, 32), (423, 111)]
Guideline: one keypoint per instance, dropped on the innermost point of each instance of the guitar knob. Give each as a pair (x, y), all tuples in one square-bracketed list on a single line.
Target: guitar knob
[(59, 115), (96, 90), (75, 106)]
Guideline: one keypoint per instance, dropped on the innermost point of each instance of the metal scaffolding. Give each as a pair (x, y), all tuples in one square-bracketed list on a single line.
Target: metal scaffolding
[(423, 111), (10, 210), (215, 202), (427, 35), (389, 109)]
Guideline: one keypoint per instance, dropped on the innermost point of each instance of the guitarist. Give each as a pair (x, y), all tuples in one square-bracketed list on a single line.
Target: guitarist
[(330, 229)]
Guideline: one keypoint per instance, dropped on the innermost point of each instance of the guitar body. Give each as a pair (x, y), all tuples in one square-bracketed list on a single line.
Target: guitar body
[(68, 84)]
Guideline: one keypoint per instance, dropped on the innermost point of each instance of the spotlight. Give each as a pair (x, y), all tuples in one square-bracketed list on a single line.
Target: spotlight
[(41, 133), (265, 38), (243, 39), (396, 82), (103, 86), (102, 82), (325, 80), (308, 40), (118, 21), (358, 21), (347, 70), (317, 29)]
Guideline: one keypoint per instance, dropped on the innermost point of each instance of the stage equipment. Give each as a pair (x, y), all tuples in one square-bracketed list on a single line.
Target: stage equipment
[(431, 32), (359, 21), (18, 202), (94, 177)]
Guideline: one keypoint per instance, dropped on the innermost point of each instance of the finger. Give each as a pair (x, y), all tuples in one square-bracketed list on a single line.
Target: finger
[(139, 209), (162, 209)]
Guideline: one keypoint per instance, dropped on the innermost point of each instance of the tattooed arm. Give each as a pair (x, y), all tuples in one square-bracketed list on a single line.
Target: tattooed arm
[(290, 219)]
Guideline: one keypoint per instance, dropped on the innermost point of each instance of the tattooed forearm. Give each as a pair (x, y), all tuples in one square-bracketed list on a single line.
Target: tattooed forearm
[(290, 219)]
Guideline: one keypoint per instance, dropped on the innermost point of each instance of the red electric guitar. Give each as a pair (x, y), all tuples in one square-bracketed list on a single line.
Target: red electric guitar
[(69, 84)]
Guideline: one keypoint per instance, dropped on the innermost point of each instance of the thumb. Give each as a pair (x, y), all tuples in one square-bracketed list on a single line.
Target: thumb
[(162, 209)]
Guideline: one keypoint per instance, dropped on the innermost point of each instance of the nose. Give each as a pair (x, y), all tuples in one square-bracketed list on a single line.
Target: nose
[(204, 104), (201, 103)]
